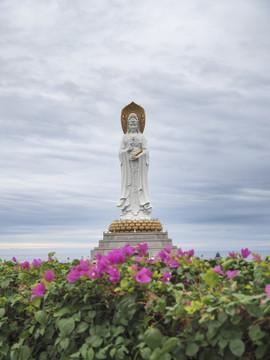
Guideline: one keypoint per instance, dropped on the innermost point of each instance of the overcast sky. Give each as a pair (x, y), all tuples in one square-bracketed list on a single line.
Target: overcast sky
[(201, 71)]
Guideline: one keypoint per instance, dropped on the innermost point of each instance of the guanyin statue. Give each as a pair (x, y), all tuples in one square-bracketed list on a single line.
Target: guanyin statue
[(134, 158)]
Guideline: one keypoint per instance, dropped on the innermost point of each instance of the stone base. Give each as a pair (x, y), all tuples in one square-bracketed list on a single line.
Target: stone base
[(156, 241)]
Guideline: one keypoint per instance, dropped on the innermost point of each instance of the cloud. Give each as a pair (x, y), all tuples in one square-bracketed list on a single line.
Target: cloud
[(202, 73)]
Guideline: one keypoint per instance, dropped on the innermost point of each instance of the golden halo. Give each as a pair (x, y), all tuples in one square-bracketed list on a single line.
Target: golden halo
[(132, 108)]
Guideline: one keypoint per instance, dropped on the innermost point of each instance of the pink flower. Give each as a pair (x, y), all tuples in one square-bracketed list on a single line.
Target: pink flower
[(245, 253), (233, 254), (152, 260), (256, 258), (38, 290), (25, 265), (231, 273), (114, 275), (217, 269), (73, 275), (138, 259), (142, 249), (84, 265), (163, 255), (188, 253), (49, 275), (267, 290), (14, 259), (103, 264), (94, 273), (172, 263), (36, 263), (128, 250), (143, 276), (134, 267), (116, 256), (166, 276)]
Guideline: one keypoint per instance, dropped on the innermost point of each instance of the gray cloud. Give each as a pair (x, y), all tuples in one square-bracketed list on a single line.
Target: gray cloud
[(202, 73)]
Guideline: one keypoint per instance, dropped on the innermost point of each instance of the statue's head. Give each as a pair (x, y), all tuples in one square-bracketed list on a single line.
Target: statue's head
[(133, 123)]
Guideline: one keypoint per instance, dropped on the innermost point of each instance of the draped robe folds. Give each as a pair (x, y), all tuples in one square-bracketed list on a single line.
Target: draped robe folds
[(134, 201)]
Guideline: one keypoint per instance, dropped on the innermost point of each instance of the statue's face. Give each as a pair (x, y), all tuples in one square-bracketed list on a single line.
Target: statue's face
[(133, 123)]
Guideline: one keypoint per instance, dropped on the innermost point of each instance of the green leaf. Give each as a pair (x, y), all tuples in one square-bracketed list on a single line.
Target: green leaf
[(145, 353), (261, 351), (95, 341), (192, 349), (101, 354), (170, 344), (86, 352), (254, 310), (82, 327), (64, 343), (36, 302), (5, 283), (211, 278), (2, 312), (61, 312), (222, 317), (255, 333), (90, 354), (41, 316), (25, 352), (66, 326), (237, 347), (153, 337)]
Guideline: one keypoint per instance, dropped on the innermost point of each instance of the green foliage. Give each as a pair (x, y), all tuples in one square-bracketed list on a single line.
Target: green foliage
[(199, 314)]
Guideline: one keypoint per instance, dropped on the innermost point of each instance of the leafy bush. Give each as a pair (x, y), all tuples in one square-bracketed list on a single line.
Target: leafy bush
[(127, 306)]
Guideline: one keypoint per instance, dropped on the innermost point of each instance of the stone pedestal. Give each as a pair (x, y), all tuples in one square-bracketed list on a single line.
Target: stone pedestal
[(156, 241)]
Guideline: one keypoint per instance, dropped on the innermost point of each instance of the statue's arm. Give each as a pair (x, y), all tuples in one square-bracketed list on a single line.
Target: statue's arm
[(144, 148), (124, 147)]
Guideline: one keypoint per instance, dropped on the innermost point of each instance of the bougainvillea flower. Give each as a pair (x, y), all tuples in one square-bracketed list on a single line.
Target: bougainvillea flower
[(128, 250), (134, 267), (245, 253), (166, 276), (116, 256), (25, 265), (84, 265), (267, 290), (36, 263), (94, 273), (256, 258), (163, 255), (38, 290), (217, 269), (231, 273), (172, 263), (102, 264), (114, 275), (143, 276), (142, 249), (152, 260), (138, 259), (188, 253), (49, 275), (73, 275), (168, 249), (233, 254)]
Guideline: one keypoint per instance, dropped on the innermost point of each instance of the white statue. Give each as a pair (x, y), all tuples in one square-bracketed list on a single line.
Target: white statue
[(134, 157)]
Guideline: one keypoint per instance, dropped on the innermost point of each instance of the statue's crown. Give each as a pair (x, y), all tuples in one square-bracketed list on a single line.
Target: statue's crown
[(136, 109)]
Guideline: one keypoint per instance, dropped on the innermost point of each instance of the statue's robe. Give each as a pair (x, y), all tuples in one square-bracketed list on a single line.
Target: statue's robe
[(134, 200)]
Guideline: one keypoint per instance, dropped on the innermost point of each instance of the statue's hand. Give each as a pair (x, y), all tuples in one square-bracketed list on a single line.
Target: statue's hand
[(139, 155), (129, 149)]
